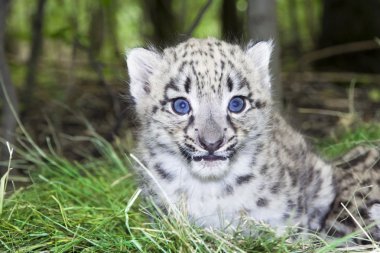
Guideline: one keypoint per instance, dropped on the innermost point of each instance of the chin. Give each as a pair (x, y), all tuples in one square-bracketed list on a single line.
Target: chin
[(209, 170)]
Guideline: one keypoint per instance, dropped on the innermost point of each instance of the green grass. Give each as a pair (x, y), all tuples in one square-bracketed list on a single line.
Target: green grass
[(364, 134), (81, 206)]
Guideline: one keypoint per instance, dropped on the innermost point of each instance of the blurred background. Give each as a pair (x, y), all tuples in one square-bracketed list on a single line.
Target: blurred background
[(63, 68)]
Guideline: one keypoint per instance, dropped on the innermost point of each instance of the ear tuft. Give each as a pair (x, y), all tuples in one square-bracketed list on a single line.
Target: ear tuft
[(260, 53), (141, 63)]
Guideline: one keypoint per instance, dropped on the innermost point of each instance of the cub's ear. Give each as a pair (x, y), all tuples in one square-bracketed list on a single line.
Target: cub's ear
[(260, 54), (141, 63)]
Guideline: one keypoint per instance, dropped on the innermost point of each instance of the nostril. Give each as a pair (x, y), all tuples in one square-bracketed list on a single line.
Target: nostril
[(210, 146)]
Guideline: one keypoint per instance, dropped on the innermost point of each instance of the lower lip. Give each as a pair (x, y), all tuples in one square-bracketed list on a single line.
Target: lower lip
[(209, 158)]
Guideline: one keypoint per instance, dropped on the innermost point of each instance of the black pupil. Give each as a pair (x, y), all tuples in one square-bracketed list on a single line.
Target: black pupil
[(182, 104)]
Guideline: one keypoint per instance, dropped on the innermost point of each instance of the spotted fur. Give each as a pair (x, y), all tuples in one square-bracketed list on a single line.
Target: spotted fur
[(216, 165), (357, 179)]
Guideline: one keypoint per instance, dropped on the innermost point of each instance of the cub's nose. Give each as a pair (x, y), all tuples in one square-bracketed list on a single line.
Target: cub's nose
[(210, 146)]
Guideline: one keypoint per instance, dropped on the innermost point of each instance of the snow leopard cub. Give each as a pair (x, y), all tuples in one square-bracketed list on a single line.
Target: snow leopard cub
[(213, 141)]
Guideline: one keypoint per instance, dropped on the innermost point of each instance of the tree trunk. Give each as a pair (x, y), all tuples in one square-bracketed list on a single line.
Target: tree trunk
[(262, 25), (345, 21), (231, 24), (8, 120), (35, 52), (97, 35), (162, 20)]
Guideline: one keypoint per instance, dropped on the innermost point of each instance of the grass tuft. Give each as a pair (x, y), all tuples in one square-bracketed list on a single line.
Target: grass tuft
[(338, 144)]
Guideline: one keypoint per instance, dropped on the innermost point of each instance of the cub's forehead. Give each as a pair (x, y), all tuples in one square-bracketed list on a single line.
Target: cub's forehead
[(204, 51), (207, 62)]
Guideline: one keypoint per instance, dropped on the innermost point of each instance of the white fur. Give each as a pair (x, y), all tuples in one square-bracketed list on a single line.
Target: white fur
[(141, 63)]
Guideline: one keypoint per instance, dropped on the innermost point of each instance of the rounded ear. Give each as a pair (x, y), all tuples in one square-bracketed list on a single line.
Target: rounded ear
[(259, 55), (141, 63)]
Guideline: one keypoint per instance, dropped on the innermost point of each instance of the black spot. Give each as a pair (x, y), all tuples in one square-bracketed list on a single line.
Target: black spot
[(182, 66), (231, 147), (171, 85), (187, 85), (259, 148), (230, 84), (191, 147), (366, 182), (348, 221), (317, 187), (376, 166), (231, 64), (256, 136), (354, 162), (222, 64), (151, 153), (154, 109), (293, 177), (262, 202), (230, 139), (290, 205), (229, 189), (315, 214), (275, 188), (189, 123), (244, 179), (263, 170), (162, 173), (260, 104), (147, 88), (243, 83), (359, 195), (185, 154), (286, 216), (300, 205), (162, 145), (363, 212)]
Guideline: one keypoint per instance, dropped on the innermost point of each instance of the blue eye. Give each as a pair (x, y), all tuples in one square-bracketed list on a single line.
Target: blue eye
[(181, 106), (236, 105)]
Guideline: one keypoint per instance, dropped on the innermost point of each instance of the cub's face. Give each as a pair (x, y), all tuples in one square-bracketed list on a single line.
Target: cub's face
[(204, 101)]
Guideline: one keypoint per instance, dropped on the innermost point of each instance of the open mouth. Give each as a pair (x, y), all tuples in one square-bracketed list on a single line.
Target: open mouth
[(209, 158)]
